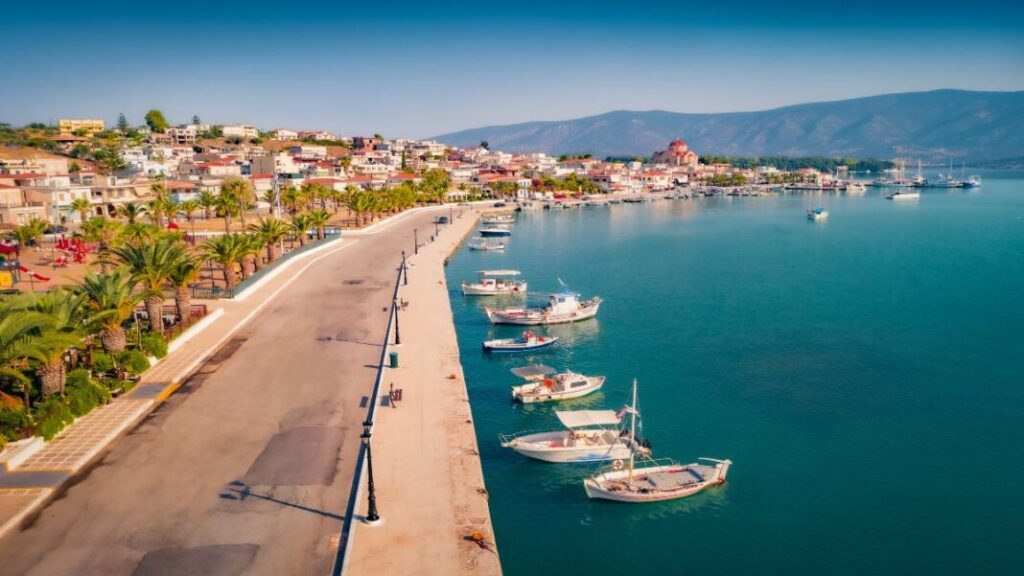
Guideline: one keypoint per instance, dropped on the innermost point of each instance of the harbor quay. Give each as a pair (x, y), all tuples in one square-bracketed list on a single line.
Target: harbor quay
[(248, 466)]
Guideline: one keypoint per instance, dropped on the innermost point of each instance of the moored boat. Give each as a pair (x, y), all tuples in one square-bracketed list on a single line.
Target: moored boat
[(496, 230), (562, 308), (589, 436), (528, 342), (899, 195), (495, 283), (817, 214), (545, 385), (484, 245), (497, 219)]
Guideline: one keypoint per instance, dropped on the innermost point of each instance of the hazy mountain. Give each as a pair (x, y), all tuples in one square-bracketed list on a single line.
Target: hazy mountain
[(927, 125)]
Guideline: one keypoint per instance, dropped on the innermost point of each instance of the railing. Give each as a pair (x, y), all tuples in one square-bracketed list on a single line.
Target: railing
[(371, 410), (196, 313)]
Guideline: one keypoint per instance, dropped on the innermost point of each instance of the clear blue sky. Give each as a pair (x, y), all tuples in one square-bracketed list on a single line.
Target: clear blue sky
[(421, 68)]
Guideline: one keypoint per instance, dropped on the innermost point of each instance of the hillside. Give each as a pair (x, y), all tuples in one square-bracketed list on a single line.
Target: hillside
[(928, 125)]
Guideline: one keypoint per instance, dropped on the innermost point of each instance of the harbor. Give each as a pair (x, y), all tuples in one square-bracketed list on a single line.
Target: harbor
[(806, 351)]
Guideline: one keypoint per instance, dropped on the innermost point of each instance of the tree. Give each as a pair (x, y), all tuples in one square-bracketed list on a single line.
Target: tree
[(227, 206), (105, 233), (300, 227), (188, 208), (318, 219), (208, 201), (111, 299), (183, 274), (132, 211), (66, 310), (156, 121), (28, 233), (110, 160), (151, 265), (82, 206), (360, 202), (122, 123), (226, 250), (240, 191), (273, 232), (19, 331)]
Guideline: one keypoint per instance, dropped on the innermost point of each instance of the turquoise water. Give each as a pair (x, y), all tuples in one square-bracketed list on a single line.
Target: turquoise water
[(865, 374)]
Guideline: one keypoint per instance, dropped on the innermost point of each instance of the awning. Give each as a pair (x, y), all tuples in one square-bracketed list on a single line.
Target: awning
[(499, 272), (581, 418), (534, 371)]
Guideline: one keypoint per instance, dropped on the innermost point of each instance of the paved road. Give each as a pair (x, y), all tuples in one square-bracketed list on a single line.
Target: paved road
[(247, 468)]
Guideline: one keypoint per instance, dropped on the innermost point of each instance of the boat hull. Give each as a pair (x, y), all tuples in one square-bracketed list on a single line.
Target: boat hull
[(495, 233), (512, 345), (569, 456), (475, 290)]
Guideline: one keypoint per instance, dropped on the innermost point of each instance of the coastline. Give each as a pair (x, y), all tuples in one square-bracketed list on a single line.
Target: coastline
[(427, 469)]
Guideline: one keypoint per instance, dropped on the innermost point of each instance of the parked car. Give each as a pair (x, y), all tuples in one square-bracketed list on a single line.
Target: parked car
[(58, 229), (442, 220), (500, 204)]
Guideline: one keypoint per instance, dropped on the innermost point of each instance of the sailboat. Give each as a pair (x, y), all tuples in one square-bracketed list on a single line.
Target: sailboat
[(653, 480)]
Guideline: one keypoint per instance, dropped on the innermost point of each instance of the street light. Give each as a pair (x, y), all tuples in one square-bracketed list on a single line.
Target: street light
[(394, 306), (372, 517), (405, 271), (415, 241)]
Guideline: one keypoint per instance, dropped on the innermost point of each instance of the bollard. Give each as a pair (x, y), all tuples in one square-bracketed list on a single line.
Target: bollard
[(392, 359)]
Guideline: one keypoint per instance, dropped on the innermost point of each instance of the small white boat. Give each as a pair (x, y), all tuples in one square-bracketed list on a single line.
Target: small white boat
[(484, 245), (562, 308), (495, 283), (589, 436), (545, 385), (653, 480), (854, 188), (899, 195), (497, 219), (529, 342), (817, 214)]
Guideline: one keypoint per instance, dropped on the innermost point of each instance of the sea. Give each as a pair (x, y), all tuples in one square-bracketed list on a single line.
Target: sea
[(865, 374)]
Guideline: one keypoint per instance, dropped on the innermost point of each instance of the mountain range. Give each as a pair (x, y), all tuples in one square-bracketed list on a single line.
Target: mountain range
[(933, 126)]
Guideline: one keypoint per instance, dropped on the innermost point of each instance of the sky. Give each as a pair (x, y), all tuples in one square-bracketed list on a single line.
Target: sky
[(418, 69)]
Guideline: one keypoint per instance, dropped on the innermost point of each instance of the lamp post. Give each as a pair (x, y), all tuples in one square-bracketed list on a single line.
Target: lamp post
[(405, 271), (372, 517), (437, 228), (415, 241), (394, 306)]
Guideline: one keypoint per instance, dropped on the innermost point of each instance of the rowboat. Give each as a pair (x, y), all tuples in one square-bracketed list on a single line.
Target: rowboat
[(545, 385), (562, 308), (495, 283), (589, 436), (528, 342), (653, 480)]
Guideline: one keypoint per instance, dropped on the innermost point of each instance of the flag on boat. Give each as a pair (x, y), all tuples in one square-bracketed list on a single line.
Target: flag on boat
[(622, 412)]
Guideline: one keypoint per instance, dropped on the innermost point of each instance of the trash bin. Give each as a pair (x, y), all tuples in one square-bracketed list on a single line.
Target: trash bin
[(392, 359)]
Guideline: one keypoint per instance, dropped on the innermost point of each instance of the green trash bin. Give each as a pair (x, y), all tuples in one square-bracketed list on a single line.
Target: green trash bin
[(393, 359)]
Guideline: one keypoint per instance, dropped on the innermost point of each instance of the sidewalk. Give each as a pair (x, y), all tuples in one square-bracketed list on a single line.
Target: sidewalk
[(31, 484), (429, 482)]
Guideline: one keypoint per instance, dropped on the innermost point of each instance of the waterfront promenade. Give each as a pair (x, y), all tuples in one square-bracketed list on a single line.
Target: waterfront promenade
[(429, 483), (247, 468)]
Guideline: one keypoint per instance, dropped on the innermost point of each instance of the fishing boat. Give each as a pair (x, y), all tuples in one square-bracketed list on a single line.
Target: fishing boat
[(653, 480), (589, 436), (495, 283), (497, 219), (817, 214), (496, 230), (528, 342), (562, 308), (545, 385), (899, 195), (484, 245)]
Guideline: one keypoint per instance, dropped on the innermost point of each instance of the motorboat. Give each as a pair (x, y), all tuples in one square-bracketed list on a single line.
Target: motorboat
[(495, 283), (497, 219), (899, 195), (496, 230), (653, 480), (589, 436), (562, 308), (817, 214), (528, 342), (484, 245), (973, 182), (854, 188), (545, 385)]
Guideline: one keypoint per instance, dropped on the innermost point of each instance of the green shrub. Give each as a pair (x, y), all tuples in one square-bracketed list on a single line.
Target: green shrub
[(78, 377), (154, 345), (134, 362), (51, 417), (83, 395), (12, 422), (102, 362)]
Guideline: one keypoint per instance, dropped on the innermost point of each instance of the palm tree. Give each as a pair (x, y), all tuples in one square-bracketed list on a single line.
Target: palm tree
[(19, 331), (318, 219), (273, 232), (241, 192), (105, 233), (28, 233), (66, 311), (227, 251), (227, 207), (110, 299), (300, 227), (151, 265), (291, 198), (208, 201), (188, 208), (131, 211), (83, 207), (361, 203), (159, 204), (251, 249), (183, 274)]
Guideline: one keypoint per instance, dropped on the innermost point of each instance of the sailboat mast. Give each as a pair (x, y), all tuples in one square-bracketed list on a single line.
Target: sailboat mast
[(632, 432)]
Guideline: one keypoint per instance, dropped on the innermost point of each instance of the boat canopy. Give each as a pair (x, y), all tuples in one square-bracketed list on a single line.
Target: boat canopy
[(581, 418), (533, 372), (499, 272)]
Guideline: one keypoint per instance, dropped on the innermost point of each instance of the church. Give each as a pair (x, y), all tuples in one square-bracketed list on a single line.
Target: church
[(678, 154)]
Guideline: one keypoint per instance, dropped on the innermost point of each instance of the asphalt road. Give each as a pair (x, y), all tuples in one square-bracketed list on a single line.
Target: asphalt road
[(247, 468)]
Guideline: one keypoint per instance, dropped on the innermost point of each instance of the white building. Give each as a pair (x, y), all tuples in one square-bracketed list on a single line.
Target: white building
[(239, 131)]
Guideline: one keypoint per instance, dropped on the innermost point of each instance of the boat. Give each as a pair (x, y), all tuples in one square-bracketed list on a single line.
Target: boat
[(973, 182), (854, 188), (918, 181), (899, 195), (528, 342), (653, 480), (497, 219), (495, 283), (589, 436), (482, 244), (545, 385), (562, 308), (817, 214), (496, 230)]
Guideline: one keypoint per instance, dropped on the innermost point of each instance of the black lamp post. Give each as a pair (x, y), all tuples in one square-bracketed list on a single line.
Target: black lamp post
[(405, 271), (371, 510), (437, 228), (415, 241), (394, 306)]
